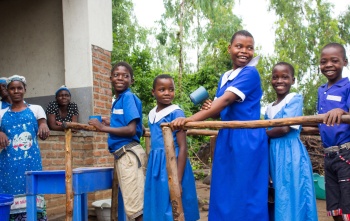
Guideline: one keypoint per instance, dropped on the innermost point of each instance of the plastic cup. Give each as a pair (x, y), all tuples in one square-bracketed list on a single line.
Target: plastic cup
[(199, 95), (98, 117)]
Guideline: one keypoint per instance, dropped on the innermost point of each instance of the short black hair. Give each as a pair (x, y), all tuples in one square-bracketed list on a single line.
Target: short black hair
[(126, 65), (336, 45), (162, 76), (241, 33), (291, 68)]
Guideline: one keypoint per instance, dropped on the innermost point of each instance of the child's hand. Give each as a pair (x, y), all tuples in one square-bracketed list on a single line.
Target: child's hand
[(106, 121), (206, 105), (96, 123), (333, 116), (178, 123), (4, 141), (43, 131)]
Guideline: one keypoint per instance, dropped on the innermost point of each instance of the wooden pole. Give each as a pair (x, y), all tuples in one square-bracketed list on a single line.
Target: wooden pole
[(114, 207), (69, 184), (78, 126), (173, 181), (305, 121)]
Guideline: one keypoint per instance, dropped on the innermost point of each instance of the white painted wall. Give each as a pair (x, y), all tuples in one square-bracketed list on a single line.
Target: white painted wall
[(85, 23), (100, 23)]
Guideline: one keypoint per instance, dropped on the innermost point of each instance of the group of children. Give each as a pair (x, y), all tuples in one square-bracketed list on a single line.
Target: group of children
[(244, 159)]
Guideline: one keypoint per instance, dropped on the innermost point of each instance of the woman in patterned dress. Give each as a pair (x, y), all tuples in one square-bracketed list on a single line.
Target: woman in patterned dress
[(21, 124), (61, 110)]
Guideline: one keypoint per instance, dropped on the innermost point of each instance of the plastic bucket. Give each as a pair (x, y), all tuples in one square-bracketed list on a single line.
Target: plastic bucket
[(6, 201), (103, 209), (319, 184)]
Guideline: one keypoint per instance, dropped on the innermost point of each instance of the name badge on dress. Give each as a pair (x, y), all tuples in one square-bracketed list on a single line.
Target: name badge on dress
[(334, 98), (118, 111)]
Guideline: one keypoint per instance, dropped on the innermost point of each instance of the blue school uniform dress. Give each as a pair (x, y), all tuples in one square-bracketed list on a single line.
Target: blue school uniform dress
[(239, 181), (157, 204), (290, 166), (125, 108)]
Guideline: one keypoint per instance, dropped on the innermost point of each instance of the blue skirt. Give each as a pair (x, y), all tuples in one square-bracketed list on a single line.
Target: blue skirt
[(157, 204)]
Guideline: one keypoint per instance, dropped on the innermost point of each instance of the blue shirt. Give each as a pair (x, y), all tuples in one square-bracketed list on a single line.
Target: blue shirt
[(4, 104), (337, 96), (126, 108)]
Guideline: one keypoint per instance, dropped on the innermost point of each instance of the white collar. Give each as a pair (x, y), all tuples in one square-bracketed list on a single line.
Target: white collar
[(273, 110), (231, 74), (154, 116)]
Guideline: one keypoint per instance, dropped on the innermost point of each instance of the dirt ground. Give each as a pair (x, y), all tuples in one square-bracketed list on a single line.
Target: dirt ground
[(203, 196)]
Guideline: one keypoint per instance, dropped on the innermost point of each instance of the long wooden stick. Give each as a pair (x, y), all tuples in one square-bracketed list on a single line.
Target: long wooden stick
[(78, 126), (173, 180), (115, 184), (69, 184), (305, 121)]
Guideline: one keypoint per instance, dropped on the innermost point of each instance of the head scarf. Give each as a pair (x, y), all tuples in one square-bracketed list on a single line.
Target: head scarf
[(62, 88), (16, 78), (3, 80)]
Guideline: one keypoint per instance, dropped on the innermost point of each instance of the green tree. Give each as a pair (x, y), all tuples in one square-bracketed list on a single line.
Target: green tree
[(302, 29)]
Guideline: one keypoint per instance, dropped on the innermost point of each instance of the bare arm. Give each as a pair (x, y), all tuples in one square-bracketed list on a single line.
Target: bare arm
[(4, 141), (278, 131), (126, 131), (216, 107), (43, 131), (51, 121), (182, 157)]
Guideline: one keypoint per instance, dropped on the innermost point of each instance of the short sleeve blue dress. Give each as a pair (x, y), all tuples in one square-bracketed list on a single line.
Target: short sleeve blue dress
[(239, 181), (157, 204), (290, 166)]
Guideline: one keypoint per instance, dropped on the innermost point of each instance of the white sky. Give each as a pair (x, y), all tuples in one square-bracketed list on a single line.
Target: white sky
[(257, 19)]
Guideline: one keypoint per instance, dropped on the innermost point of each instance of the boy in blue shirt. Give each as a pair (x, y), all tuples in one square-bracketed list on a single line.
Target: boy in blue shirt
[(334, 101), (125, 130)]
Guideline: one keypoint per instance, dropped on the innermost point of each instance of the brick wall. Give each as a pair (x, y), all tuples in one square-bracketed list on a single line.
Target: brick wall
[(89, 149)]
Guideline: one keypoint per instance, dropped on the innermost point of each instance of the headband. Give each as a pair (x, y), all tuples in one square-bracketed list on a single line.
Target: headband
[(62, 88), (16, 78), (3, 80)]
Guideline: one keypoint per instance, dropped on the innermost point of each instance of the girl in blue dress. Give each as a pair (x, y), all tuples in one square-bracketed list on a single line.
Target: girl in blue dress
[(157, 204), (290, 166), (21, 124), (239, 180)]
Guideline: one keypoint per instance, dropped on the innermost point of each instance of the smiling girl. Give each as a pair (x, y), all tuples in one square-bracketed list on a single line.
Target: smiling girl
[(290, 166), (157, 204), (240, 166)]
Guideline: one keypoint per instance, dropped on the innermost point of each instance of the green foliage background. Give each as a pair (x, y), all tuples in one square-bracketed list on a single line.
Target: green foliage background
[(302, 28)]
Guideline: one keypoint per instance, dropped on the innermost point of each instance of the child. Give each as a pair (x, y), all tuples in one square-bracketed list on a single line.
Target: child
[(290, 166), (157, 197), (239, 181), (334, 101), (124, 140)]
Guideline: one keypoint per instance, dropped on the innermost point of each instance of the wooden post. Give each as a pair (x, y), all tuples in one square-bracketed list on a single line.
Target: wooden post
[(69, 184), (173, 181), (114, 206)]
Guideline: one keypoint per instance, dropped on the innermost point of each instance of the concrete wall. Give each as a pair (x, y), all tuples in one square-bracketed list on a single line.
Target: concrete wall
[(31, 44), (50, 42)]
